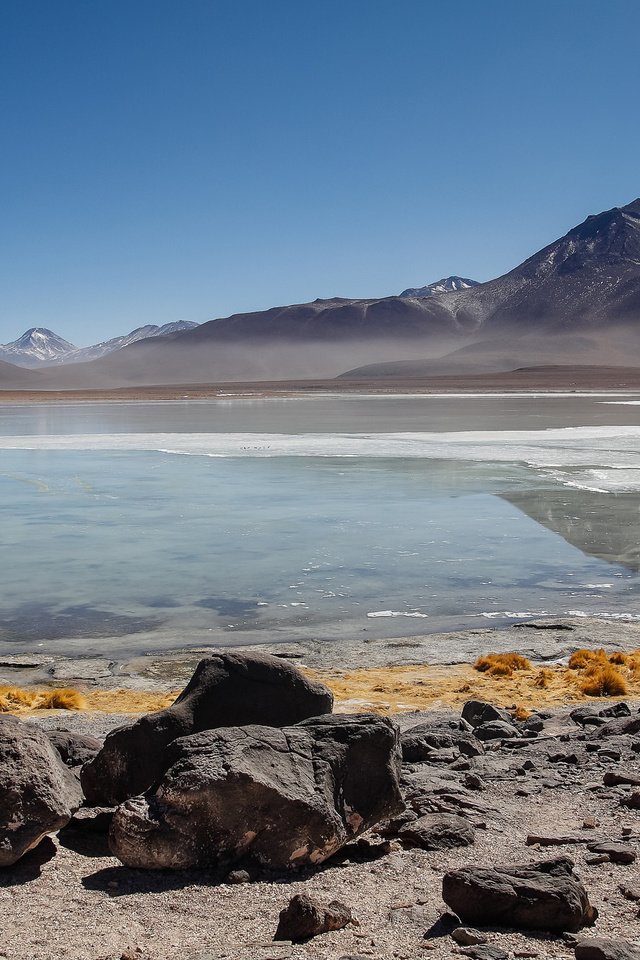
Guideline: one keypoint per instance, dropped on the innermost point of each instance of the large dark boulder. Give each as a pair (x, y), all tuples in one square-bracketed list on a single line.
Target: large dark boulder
[(227, 689), (537, 896), (286, 798), (38, 793)]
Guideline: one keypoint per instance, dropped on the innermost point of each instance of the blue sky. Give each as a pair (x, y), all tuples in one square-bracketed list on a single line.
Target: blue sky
[(164, 160)]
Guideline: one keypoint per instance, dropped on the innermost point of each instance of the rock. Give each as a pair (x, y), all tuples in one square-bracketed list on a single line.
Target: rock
[(533, 724), (419, 742), (486, 951), (630, 893), (544, 840), (227, 689), (625, 726), (537, 896), (614, 779), (438, 832), (38, 793), (305, 917), (598, 948), (238, 876), (609, 754), (587, 716), (286, 798), (476, 712), (632, 801), (74, 748), (617, 852), (468, 937), (616, 710), (496, 730)]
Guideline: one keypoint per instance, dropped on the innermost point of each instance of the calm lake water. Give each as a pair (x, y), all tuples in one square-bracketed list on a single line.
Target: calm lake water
[(141, 526)]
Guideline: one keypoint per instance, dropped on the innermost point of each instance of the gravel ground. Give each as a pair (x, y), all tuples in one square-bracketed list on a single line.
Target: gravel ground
[(83, 905)]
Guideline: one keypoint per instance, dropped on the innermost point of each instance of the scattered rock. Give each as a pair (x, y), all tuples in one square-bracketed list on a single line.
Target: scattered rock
[(305, 917), (438, 832), (419, 742), (632, 801), (486, 951), (617, 852), (537, 896), (477, 712), (496, 730), (38, 793), (613, 778), (227, 689), (616, 710), (619, 728), (229, 793), (601, 949), (468, 937)]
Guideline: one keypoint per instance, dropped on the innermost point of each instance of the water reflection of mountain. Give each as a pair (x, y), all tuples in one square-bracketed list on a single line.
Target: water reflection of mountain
[(602, 525)]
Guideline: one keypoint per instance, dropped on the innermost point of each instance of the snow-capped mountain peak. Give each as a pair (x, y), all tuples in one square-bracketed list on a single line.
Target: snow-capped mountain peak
[(446, 285), (38, 347)]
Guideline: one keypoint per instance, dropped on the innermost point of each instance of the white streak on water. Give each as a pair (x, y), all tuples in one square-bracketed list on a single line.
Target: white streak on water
[(603, 459)]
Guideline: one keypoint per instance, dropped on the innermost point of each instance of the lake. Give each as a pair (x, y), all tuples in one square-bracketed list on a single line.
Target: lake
[(134, 526)]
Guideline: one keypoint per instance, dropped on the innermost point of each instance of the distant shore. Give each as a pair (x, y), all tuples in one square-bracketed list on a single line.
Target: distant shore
[(544, 379)]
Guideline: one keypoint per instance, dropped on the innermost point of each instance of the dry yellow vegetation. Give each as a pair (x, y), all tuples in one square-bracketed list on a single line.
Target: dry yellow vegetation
[(522, 686), (501, 664), (19, 700)]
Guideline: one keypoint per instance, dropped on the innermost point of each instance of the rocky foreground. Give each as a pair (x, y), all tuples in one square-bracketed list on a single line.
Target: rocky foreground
[(249, 821)]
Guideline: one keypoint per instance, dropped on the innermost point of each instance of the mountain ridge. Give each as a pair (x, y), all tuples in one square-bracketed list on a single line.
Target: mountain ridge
[(577, 300)]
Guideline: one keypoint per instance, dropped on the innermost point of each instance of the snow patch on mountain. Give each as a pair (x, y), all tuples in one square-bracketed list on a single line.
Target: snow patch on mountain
[(446, 285), (39, 347)]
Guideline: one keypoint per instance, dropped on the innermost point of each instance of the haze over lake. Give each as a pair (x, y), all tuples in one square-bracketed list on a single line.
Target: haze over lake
[(141, 526)]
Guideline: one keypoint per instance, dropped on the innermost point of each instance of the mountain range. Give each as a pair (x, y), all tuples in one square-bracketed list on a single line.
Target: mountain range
[(577, 301), (39, 347)]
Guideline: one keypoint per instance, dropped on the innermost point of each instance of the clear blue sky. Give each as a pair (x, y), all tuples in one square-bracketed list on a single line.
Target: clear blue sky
[(167, 159)]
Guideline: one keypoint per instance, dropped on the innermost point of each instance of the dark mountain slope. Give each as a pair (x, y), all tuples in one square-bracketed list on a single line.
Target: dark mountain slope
[(575, 301)]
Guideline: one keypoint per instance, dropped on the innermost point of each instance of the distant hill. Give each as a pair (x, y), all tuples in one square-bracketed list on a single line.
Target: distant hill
[(577, 301), (448, 285), (40, 347), (13, 377)]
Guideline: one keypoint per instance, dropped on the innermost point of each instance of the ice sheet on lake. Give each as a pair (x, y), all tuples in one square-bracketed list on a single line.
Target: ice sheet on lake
[(598, 458)]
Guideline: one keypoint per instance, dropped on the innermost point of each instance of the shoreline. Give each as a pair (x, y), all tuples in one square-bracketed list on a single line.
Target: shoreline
[(394, 675), (573, 379)]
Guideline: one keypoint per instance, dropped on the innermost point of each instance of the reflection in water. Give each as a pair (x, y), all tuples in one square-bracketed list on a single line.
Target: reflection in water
[(602, 525)]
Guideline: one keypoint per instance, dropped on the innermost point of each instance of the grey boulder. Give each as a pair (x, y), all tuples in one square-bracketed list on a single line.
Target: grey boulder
[(538, 896), (38, 794), (438, 831), (227, 689), (476, 712), (285, 798), (598, 948), (304, 918), (420, 742)]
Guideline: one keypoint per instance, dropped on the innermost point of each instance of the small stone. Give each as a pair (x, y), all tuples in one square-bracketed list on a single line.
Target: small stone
[(304, 918), (486, 951), (600, 949), (238, 876), (468, 937), (617, 852)]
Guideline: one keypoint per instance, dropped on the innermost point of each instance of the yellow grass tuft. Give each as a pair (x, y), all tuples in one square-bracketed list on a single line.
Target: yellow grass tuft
[(603, 681), (543, 678), (17, 700), (501, 664), (618, 657), (586, 658)]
